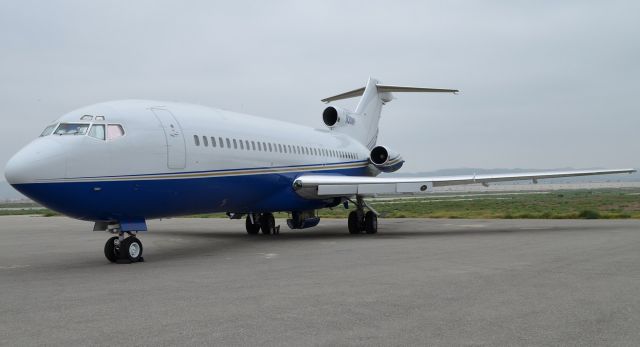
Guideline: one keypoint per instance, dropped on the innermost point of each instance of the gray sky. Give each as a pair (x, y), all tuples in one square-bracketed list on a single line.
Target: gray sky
[(545, 84)]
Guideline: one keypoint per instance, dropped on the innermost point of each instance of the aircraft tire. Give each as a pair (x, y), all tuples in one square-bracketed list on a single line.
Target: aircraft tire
[(131, 249), (110, 250), (370, 223), (267, 223), (252, 228), (353, 223)]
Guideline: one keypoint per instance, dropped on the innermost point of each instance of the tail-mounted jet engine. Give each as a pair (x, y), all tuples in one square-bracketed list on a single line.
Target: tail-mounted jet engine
[(335, 116), (385, 159)]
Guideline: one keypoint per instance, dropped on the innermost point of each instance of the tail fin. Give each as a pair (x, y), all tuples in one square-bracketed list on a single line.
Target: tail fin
[(367, 113)]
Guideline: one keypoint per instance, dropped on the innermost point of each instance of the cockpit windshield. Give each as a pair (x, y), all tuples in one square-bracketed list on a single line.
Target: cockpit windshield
[(72, 129), (48, 130)]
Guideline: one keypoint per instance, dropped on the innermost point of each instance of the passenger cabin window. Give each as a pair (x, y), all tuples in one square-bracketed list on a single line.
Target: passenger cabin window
[(235, 144), (213, 141), (97, 131), (205, 141), (221, 142), (114, 131), (48, 130), (241, 145), (196, 140), (72, 129), (228, 142)]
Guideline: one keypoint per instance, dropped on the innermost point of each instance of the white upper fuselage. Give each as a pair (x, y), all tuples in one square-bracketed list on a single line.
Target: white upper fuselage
[(143, 148)]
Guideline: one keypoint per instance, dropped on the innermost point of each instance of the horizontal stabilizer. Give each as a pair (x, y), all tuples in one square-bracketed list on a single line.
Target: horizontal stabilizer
[(383, 88)]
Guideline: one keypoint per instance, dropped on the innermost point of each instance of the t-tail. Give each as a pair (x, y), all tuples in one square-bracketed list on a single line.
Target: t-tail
[(362, 124)]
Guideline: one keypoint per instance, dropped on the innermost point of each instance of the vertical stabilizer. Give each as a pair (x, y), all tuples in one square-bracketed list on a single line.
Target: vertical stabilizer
[(368, 113)]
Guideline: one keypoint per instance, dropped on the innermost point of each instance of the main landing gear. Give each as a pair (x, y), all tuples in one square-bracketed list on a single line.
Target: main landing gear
[(261, 221), (359, 221), (119, 249)]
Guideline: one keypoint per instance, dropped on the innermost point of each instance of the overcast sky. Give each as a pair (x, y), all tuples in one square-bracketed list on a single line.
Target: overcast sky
[(544, 84)]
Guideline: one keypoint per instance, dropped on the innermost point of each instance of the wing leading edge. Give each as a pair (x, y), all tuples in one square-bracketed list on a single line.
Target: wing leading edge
[(324, 186)]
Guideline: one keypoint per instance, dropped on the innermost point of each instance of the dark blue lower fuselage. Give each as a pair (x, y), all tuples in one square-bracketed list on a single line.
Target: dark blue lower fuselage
[(114, 200)]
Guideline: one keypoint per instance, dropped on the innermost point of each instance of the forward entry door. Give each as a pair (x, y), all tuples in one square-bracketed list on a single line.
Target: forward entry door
[(176, 148)]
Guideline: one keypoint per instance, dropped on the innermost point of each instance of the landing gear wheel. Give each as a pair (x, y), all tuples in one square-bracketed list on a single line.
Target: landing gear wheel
[(131, 249), (110, 251), (354, 223), (370, 223), (252, 228), (267, 223)]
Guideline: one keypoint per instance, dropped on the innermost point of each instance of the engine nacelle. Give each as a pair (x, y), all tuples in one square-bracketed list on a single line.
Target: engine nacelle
[(385, 159), (335, 116)]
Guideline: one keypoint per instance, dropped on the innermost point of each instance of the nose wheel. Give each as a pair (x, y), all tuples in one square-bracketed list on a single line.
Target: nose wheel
[(119, 249)]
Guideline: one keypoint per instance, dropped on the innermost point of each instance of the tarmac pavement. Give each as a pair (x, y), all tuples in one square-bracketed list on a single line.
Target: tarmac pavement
[(417, 282)]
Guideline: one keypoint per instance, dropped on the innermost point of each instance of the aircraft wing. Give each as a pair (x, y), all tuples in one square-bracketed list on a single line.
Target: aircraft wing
[(325, 186)]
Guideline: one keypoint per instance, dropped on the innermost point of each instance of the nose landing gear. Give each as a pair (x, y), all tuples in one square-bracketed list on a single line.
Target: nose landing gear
[(119, 249), (123, 249)]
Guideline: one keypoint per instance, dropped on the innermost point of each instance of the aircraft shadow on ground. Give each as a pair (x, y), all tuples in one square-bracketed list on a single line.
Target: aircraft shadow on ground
[(384, 233), (173, 244), (211, 243)]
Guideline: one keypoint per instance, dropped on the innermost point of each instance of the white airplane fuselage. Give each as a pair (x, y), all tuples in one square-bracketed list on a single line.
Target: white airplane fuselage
[(170, 162)]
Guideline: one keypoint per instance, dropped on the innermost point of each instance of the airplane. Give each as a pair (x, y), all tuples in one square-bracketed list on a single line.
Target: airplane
[(121, 163)]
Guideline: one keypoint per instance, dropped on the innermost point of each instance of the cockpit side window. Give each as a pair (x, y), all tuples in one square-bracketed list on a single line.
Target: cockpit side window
[(114, 131), (48, 130), (97, 131), (72, 129)]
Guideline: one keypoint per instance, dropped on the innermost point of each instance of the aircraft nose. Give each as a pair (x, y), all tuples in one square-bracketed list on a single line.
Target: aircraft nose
[(41, 159)]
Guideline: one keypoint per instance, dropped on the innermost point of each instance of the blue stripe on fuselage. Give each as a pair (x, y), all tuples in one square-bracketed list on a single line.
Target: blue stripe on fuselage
[(116, 200)]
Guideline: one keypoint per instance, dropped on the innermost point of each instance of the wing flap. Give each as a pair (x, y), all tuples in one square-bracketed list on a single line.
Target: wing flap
[(323, 186)]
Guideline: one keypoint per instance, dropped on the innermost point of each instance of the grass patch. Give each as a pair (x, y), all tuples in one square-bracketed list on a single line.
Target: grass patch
[(570, 204), (589, 214), (23, 212)]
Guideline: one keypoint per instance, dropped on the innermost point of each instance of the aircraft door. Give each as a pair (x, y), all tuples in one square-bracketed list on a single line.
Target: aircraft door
[(176, 147)]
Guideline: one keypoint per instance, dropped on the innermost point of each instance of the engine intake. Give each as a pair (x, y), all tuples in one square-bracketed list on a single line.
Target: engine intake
[(385, 159), (334, 116)]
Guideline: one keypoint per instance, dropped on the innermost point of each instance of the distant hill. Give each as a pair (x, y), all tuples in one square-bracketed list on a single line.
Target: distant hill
[(635, 177)]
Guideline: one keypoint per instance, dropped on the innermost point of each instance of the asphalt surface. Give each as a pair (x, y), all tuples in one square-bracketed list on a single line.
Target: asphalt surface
[(417, 282)]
